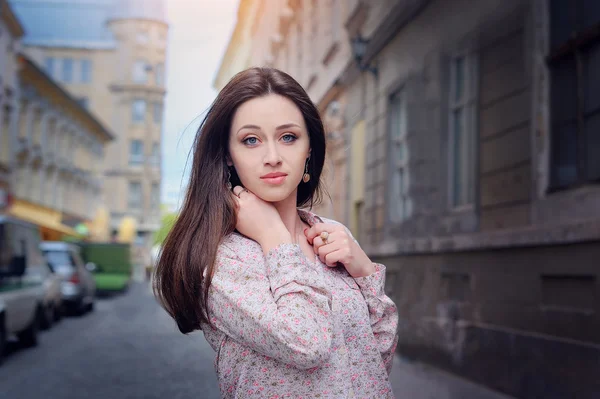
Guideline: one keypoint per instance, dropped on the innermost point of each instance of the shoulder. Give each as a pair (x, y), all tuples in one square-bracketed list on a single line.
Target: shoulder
[(239, 247)]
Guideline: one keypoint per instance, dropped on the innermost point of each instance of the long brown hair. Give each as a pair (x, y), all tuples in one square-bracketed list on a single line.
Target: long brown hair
[(185, 267)]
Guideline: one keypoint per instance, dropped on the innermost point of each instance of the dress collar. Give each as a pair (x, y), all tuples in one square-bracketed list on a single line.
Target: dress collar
[(309, 217)]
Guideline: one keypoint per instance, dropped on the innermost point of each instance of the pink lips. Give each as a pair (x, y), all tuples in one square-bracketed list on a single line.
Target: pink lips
[(274, 178)]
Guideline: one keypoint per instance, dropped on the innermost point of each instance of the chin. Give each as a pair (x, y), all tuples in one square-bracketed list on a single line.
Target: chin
[(273, 194)]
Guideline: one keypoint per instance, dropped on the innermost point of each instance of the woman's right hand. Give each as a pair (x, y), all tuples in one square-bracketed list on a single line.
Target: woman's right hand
[(259, 220)]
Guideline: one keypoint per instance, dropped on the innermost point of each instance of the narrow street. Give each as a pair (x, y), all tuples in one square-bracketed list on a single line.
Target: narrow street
[(129, 348)]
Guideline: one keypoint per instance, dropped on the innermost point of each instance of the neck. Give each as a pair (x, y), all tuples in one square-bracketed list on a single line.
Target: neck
[(289, 216)]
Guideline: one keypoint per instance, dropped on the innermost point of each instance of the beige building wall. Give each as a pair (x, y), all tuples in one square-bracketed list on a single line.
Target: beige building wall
[(141, 42)]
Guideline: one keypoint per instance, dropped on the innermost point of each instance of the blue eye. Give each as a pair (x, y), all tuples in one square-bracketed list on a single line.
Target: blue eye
[(289, 138), (250, 141)]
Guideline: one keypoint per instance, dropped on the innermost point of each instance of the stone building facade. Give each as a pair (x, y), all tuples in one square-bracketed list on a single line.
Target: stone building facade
[(114, 64), (469, 143)]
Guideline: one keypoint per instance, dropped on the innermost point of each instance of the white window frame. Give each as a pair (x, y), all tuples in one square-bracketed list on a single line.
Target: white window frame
[(399, 209), (468, 104)]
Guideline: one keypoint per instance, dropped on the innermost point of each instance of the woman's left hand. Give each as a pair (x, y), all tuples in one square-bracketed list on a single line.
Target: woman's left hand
[(339, 246)]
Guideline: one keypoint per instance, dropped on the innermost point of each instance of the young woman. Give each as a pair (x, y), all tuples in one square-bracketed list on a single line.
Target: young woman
[(289, 301)]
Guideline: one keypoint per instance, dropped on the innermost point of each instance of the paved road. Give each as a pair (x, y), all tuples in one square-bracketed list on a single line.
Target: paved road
[(129, 348)]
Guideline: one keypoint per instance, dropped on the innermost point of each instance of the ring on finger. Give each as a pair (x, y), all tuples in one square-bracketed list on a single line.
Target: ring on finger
[(325, 237)]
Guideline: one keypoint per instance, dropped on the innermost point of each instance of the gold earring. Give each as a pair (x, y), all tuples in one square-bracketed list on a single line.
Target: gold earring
[(306, 176)]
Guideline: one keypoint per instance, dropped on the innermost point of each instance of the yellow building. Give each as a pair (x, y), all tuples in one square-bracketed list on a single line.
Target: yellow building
[(111, 55), (58, 149)]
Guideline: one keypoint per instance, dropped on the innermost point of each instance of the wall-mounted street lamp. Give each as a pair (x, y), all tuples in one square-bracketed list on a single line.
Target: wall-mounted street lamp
[(359, 49)]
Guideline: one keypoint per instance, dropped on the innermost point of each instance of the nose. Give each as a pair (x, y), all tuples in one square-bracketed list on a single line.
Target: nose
[(272, 156)]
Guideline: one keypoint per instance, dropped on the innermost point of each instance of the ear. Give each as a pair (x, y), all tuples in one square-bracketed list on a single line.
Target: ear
[(228, 160)]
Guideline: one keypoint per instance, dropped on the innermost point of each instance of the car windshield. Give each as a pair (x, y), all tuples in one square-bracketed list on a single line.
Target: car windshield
[(59, 260)]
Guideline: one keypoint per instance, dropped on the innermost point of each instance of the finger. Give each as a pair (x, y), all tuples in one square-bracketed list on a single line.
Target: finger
[(324, 249), (332, 258), (237, 190), (316, 230), (317, 243)]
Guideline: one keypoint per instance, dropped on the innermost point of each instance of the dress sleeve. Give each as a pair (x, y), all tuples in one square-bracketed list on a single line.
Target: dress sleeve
[(285, 314), (383, 313)]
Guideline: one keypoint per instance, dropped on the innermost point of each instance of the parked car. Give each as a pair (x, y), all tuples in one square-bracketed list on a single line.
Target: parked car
[(78, 286), (52, 301), (21, 288)]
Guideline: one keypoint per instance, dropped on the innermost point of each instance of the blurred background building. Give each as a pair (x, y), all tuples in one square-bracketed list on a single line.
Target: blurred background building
[(110, 57), (464, 143), (52, 147)]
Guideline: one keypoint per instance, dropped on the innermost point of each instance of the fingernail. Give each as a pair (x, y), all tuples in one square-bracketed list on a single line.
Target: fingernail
[(305, 230)]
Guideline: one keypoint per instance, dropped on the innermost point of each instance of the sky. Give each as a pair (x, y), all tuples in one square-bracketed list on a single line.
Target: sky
[(199, 31)]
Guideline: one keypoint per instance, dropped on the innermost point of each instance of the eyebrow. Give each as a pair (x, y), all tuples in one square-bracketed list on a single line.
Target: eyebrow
[(281, 127)]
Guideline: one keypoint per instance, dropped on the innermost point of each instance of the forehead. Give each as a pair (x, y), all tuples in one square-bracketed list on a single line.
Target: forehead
[(267, 111)]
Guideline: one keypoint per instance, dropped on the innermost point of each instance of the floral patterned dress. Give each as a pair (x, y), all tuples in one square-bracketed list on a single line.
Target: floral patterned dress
[(289, 327)]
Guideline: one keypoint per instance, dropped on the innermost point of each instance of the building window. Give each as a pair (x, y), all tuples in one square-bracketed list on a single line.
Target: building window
[(400, 205), (155, 157), (139, 110), (160, 74), (86, 71), (140, 71), (574, 63), (67, 70), (136, 152), (463, 129), (155, 197), (135, 195), (157, 112), (49, 65)]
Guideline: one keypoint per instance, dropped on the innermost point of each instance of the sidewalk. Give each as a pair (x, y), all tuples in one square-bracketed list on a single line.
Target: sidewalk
[(413, 380)]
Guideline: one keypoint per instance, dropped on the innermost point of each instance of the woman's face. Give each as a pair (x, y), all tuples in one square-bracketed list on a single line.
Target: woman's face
[(269, 145)]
